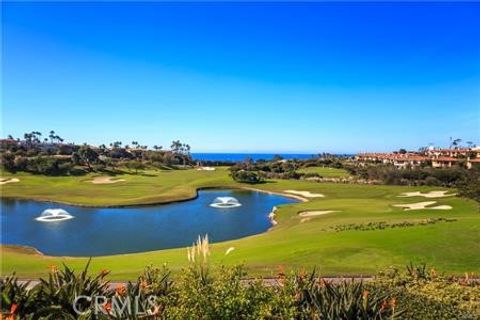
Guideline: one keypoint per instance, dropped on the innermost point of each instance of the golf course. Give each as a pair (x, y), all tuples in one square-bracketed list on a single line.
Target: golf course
[(339, 229)]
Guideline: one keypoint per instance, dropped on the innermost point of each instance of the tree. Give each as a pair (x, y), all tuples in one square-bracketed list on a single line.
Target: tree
[(8, 161), (135, 165), (456, 142), (181, 150), (88, 156), (52, 136), (176, 146), (116, 145)]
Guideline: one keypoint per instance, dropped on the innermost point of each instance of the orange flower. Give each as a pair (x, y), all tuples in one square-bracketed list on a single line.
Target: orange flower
[(121, 290), (13, 308), (393, 303), (108, 307), (433, 272), (365, 294), (143, 285), (322, 282), (384, 305)]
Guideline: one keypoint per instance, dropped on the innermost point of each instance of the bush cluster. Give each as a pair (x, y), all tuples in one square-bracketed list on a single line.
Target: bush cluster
[(380, 225), (205, 292), (467, 181)]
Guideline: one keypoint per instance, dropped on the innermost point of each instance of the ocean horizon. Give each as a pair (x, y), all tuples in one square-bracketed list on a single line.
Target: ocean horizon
[(217, 156)]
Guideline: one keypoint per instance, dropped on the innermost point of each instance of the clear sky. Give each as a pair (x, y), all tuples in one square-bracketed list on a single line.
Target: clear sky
[(244, 77)]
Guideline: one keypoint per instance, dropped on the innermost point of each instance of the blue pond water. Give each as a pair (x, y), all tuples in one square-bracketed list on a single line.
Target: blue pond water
[(105, 231)]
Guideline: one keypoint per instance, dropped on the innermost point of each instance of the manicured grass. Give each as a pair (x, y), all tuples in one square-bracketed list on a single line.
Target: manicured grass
[(152, 186), (452, 247), (326, 172)]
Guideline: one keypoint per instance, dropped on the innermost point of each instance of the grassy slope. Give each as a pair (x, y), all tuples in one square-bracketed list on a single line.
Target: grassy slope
[(452, 247), (326, 172)]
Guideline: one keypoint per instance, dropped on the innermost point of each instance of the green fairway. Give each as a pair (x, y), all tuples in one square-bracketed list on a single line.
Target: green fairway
[(294, 242), (326, 172)]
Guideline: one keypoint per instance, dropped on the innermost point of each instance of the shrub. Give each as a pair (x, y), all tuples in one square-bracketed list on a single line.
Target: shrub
[(202, 291), (57, 293), (428, 295), (320, 299), (244, 176)]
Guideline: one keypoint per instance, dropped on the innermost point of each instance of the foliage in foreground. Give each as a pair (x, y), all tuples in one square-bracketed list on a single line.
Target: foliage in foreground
[(202, 291)]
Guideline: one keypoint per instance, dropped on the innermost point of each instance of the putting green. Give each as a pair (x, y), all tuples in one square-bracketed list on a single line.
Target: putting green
[(452, 247)]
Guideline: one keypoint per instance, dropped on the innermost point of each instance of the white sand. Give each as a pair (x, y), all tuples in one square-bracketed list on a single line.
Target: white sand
[(431, 194), (206, 169), (315, 213), (305, 220), (8, 180), (422, 205), (306, 194), (442, 207), (105, 180)]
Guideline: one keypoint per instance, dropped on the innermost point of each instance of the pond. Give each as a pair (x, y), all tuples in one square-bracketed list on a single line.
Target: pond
[(106, 231)]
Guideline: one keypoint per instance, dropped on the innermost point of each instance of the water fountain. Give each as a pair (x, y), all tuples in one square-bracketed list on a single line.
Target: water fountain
[(53, 215), (225, 203)]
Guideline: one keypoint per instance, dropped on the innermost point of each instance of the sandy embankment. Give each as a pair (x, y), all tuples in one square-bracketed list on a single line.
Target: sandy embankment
[(105, 180), (422, 205), (308, 215), (431, 194), (8, 180), (306, 194)]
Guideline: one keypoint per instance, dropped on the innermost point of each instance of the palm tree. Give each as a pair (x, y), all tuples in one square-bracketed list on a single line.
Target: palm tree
[(52, 136), (456, 142)]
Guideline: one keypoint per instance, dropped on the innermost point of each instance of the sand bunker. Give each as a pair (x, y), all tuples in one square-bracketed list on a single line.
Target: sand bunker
[(315, 213), (422, 205), (431, 194), (8, 180), (206, 169), (306, 194), (105, 180), (305, 220)]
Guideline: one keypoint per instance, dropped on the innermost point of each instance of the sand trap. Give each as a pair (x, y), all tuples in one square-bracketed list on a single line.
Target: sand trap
[(442, 207), (305, 220), (8, 180), (431, 194), (422, 205), (206, 169), (315, 213), (105, 180), (306, 194)]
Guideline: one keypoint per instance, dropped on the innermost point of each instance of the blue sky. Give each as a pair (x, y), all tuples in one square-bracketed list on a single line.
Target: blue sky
[(244, 77)]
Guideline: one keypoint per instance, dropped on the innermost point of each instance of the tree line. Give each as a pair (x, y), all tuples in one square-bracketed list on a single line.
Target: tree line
[(52, 156)]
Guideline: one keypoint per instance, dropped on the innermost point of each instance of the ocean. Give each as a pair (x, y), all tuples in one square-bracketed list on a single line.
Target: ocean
[(234, 157)]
